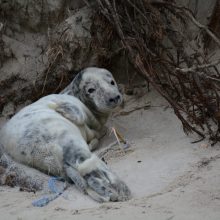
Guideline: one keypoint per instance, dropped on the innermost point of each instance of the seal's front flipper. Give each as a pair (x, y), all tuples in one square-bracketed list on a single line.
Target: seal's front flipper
[(93, 144), (71, 112)]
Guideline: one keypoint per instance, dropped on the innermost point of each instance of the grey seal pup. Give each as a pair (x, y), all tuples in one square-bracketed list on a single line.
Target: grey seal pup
[(57, 133)]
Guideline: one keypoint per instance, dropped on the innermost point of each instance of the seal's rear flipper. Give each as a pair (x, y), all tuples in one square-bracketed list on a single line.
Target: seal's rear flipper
[(16, 174), (75, 176), (94, 195)]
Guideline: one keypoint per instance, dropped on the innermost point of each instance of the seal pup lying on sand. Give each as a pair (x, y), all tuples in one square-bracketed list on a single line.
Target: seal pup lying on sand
[(57, 133)]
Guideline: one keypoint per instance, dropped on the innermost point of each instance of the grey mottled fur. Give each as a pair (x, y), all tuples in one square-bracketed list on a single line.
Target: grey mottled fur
[(57, 133)]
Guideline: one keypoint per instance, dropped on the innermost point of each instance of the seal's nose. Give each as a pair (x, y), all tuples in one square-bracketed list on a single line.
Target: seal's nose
[(115, 100)]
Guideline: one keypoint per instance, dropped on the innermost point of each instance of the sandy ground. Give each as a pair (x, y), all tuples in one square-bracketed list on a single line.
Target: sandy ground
[(169, 177)]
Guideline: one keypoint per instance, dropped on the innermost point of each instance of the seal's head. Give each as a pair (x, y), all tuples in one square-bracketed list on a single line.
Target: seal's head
[(97, 89)]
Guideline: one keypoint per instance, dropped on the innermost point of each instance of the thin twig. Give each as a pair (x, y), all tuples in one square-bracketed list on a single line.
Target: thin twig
[(200, 67)]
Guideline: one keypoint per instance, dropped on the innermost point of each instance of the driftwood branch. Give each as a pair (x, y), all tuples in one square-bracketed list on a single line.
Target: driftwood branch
[(181, 72)]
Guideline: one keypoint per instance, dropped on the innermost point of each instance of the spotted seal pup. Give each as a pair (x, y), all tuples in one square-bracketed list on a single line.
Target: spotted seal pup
[(57, 133)]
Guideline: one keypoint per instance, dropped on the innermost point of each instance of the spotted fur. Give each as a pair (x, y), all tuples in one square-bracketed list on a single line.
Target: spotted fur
[(57, 133)]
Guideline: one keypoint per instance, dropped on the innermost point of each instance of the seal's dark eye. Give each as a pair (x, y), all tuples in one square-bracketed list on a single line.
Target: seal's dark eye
[(112, 83), (91, 90)]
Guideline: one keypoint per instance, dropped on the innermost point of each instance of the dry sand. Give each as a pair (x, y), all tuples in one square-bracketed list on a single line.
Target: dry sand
[(169, 177)]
